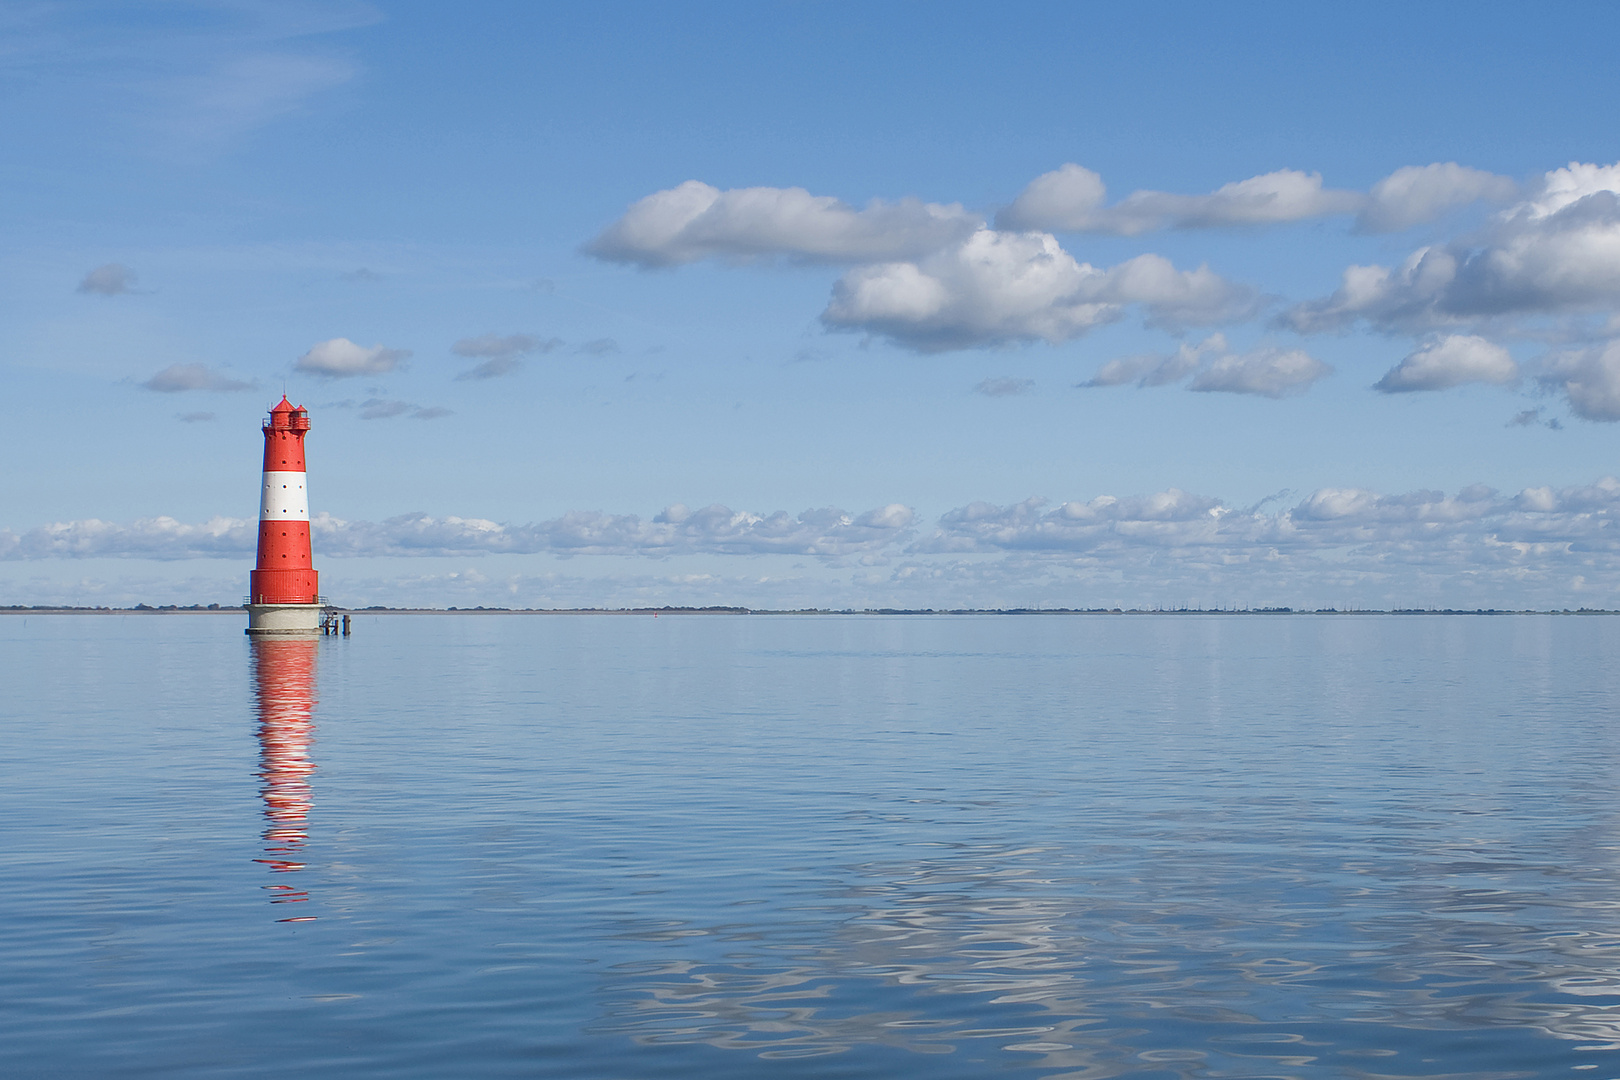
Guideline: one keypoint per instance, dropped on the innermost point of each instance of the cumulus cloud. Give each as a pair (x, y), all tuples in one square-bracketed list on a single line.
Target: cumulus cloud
[(1066, 199), (933, 277), (340, 358), (695, 221), (1451, 361), (177, 378), (1557, 251), (1028, 526), (1418, 194), (998, 288), (1344, 535), (1151, 369), (1275, 197), (678, 530), (600, 347), (1004, 387), (1588, 378), (1071, 199), (148, 538), (1327, 518), (112, 279), (501, 355), (1550, 547), (1272, 373)]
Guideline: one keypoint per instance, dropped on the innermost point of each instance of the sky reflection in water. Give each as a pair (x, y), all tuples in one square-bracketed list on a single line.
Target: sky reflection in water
[(857, 847)]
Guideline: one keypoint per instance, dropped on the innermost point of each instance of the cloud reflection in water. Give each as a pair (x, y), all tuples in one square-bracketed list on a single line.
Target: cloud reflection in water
[(1322, 945)]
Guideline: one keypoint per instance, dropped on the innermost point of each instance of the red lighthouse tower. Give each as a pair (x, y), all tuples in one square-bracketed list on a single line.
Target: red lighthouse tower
[(284, 591)]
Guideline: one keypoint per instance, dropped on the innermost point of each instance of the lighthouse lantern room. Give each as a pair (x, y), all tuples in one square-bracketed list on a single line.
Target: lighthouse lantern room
[(284, 592)]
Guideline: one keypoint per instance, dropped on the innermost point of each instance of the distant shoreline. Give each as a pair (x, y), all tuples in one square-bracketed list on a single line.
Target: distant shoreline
[(215, 609)]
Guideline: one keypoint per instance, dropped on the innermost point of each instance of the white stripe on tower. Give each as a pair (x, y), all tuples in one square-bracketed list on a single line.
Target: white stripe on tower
[(284, 497)]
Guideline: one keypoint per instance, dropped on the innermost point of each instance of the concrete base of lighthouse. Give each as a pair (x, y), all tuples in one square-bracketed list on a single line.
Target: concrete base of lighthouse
[(285, 620)]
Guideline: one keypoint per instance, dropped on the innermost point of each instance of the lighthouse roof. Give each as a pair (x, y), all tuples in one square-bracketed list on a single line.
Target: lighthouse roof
[(285, 416)]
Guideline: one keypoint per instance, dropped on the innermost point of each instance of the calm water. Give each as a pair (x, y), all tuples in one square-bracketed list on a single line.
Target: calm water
[(552, 846)]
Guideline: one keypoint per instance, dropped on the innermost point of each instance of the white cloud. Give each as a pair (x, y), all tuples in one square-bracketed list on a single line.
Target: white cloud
[(998, 288), (1172, 515), (148, 538), (696, 221), (1070, 199), (1176, 299), (1269, 373), (1556, 252), (340, 358), (1155, 370), (177, 378), (113, 279), (1544, 547), (1272, 373), (1273, 198), (1418, 194), (828, 534), (1589, 378), (1451, 361), (1475, 545), (1564, 187), (1064, 200)]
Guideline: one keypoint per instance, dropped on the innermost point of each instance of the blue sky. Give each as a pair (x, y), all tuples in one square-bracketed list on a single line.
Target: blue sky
[(813, 304)]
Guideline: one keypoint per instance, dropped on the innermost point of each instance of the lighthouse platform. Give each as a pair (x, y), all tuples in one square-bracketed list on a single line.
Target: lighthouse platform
[(286, 620)]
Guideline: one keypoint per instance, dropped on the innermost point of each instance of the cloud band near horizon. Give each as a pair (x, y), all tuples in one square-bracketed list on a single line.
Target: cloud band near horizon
[(1533, 522)]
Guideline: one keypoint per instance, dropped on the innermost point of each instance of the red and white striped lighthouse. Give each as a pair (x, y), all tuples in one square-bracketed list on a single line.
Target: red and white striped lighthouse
[(284, 590)]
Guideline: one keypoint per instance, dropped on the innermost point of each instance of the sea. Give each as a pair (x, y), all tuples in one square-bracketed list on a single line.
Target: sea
[(637, 846)]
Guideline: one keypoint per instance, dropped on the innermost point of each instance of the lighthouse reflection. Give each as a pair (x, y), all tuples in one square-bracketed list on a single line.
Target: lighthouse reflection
[(284, 689)]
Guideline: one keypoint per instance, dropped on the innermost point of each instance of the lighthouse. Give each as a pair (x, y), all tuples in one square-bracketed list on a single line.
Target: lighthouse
[(283, 593)]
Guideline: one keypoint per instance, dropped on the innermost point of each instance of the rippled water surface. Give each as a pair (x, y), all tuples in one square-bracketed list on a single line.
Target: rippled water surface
[(862, 847)]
